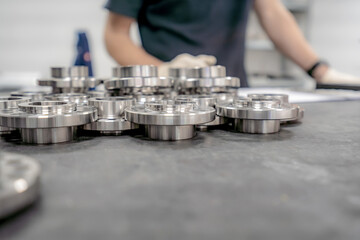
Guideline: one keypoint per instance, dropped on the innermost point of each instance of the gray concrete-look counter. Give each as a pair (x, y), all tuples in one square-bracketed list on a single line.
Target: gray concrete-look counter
[(302, 183)]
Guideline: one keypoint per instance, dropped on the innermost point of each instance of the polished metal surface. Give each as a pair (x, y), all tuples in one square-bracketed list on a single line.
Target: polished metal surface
[(257, 115), (7, 103), (142, 98), (163, 120), (77, 98), (69, 80), (138, 79), (97, 93), (33, 95), (46, 122), (111, 115), (19, 182)]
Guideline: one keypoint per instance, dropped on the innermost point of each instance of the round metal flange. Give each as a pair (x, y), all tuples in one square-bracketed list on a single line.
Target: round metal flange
[(284, 100), (200, 100), (257, 116), (142, 98), (138, 82), (146, 71), (33, 95), (46, 122), (167, 120), (216, 71), (19, 182), (77, 98), (111, 115), (68, 80), (223, 97), (7, 103)]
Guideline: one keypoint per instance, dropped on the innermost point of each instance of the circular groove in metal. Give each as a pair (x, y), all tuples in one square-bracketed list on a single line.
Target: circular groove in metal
[(77, 98)]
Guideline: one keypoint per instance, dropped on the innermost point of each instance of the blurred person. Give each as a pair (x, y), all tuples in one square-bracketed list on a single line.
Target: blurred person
[(188, 33)]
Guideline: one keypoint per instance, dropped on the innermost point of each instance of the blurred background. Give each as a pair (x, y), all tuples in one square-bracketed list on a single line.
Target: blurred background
[(38, 34)]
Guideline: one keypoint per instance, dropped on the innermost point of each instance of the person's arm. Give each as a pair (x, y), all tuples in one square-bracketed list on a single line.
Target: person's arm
[(121, 47), (282, 29)]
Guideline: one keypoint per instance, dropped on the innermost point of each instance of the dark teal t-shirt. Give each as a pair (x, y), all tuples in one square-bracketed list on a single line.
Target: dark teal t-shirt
[(171, 27)]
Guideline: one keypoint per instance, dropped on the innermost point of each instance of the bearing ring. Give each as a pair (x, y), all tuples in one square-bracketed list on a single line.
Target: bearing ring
[(167, 120), (19, 182), (111, 115), (47, 122), (257, 116)]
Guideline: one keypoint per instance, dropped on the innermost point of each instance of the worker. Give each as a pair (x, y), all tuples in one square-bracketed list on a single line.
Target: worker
[(188, 33)]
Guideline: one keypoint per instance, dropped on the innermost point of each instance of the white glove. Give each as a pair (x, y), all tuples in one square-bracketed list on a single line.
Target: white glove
[(332, 76), (186, 61)]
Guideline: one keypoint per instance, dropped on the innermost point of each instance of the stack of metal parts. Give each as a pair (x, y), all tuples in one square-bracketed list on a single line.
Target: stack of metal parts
[(19, 182), (138, 80), (170, 108), (70, 80)]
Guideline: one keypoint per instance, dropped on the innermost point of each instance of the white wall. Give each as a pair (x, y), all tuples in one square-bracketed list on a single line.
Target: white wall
[(37, 34)]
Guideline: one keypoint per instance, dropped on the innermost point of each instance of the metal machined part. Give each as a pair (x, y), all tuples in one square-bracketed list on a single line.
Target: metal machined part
[(168, 120), (19, 182), (111, 119), (257, 116), (97, 93), (70, 80), (203, 101), (77, 98), (223, 97), (284, 100), (33, 95), (8, 103), (205, 80), (129, 80), (143, 98), (46, 122)]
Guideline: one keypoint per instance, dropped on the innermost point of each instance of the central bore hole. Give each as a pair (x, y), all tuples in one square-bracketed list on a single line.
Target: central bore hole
[(47, 103)]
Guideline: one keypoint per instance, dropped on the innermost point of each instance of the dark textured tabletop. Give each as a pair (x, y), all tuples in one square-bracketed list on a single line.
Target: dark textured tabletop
[(301, 183)]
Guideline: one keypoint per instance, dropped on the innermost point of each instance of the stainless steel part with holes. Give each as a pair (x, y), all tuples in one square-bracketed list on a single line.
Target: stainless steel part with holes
[(111, 115), (284, 100), (7, 103), (33, 95), (47, 122), (144, 79), (257, 116), (70, 80), (19, 182), (203, 101), (205, 80), (77, 98), (167, 120)]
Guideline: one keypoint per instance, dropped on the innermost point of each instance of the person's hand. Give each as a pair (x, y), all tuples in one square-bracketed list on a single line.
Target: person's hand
[(186, 61), (331, 76)]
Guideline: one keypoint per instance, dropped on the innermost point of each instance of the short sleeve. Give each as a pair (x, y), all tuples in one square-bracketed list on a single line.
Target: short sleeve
[(128, 8)]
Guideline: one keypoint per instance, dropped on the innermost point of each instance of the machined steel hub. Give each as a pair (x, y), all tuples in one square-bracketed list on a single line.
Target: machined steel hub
[(111, 119), (70, 80), (284, 100), (19, 182), (205, 80), (137, 79), (167, 120), (257, 116), (203, 101), (46, 122), (8, 103)]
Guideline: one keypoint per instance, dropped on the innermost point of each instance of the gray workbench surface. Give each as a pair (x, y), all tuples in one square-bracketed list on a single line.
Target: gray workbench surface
[(302, 183)]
